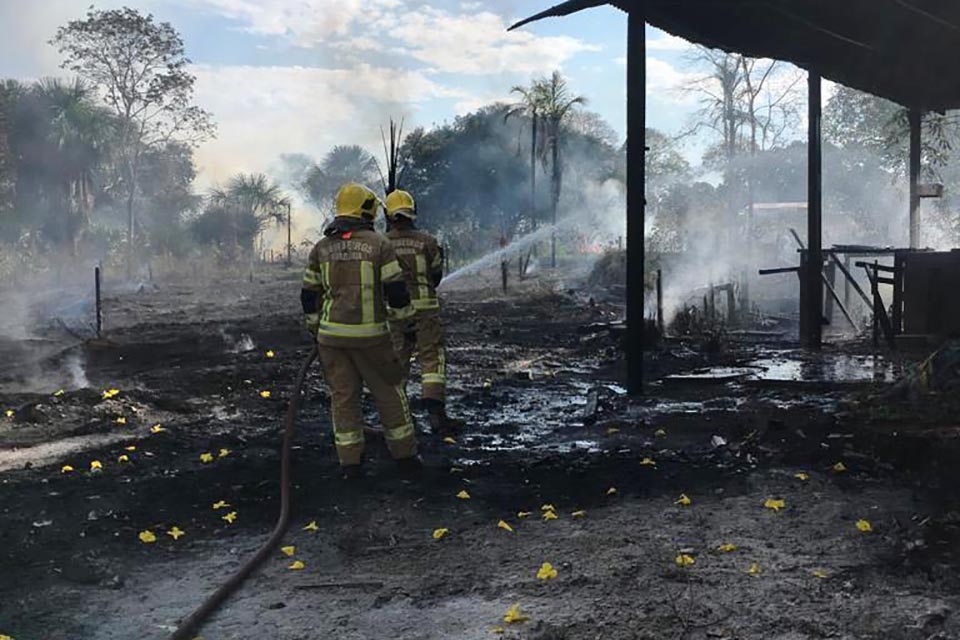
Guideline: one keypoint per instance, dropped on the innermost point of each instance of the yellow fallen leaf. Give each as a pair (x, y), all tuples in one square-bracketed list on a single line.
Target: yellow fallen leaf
[(220, 504), (864, 526), (270, 353), (157, 429), (58, 393), (660, 433), (123, 458), (549, 515), (503, 524), (547, 507), (776, 505), (147, 537), (612, 430), (9, 413), (463, 495), (684, 560), (513, 615), (611, 491), (648, 462), (296, 565), (230, 517), (684, 500), (439, 533), (754, 569), (839, 467), (288, 551), (223, 453), (206, 457), (524, 514), (66, 469), (121, 420), (546, 572), (311, 526), (5, 637), (109, 393), (130, 448), (265, 394), (176, 532), (96, 465), (579, 514), (801, 476), (487, 384), (497, 630), (449, 440), (727, 547), (820, 573)]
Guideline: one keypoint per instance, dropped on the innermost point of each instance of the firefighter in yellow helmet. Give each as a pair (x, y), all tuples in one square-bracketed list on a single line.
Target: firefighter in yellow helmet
[(352, 286), (422, 262)]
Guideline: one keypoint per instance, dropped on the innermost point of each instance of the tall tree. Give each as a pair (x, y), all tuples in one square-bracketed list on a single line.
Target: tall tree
[(556, 103), (529, 105), (140, 66), (249, 202), (342, 164)]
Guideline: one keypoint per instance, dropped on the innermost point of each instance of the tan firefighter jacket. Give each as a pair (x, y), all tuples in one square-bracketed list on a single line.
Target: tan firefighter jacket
[(352, 285), (422, 262)]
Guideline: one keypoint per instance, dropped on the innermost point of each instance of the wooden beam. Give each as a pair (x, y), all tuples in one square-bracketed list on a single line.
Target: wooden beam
[(814, 266), (636, 187), (915, 118)]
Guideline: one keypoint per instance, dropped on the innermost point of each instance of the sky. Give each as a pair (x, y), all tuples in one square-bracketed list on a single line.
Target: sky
[(300, 76)]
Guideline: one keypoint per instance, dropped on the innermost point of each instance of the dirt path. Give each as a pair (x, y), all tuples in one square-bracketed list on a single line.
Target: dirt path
[(548, 424)]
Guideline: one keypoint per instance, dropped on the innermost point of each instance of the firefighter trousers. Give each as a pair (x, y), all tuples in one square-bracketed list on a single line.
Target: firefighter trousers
[(347, 369), (428, 345)]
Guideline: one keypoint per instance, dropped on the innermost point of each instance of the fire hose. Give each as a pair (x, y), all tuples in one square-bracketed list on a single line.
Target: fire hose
[(192, 624)]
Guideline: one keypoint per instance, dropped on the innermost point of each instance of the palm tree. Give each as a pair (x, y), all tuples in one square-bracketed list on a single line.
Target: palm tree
[(344, 163), (529, 105), (555, 102), (251, 202), (79, 131)]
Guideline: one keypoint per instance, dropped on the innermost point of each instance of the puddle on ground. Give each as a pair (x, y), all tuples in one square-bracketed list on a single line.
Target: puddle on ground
[(784, 368), (838, 368)]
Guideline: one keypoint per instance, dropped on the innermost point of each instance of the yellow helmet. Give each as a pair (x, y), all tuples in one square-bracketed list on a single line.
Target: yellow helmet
[(401, 202), (356, 201)]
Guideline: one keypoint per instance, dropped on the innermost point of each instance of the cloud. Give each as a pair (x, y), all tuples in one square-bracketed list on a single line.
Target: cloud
[(663, 76), (473, 42), (306, 22), (668, 42), (479, 44), (266, 109)]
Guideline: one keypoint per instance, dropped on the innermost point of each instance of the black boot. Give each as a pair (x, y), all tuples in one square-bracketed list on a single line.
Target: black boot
[(440, 423)]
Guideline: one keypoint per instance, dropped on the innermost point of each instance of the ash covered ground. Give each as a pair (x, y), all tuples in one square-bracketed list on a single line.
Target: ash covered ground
[(536, 375)]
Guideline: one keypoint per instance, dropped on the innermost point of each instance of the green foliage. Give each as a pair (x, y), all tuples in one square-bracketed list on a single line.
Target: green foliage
[(343, 164), (236, 214)]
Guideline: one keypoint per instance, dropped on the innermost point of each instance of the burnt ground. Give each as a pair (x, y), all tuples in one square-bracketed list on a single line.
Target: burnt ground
[(537, 378)]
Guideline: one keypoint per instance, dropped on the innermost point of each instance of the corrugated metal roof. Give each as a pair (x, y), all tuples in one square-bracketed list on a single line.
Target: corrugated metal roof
[(903, 50)]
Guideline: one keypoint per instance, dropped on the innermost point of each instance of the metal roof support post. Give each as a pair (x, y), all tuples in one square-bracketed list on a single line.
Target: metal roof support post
[(814, 267), (636, 191), (914, 119)]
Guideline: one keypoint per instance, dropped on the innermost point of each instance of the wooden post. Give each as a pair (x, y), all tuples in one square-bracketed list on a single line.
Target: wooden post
[(897, 319), (289, 235), (636, 181), (914, 118), (96, 285), (830, 280), (660, 301), (814, 283)]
